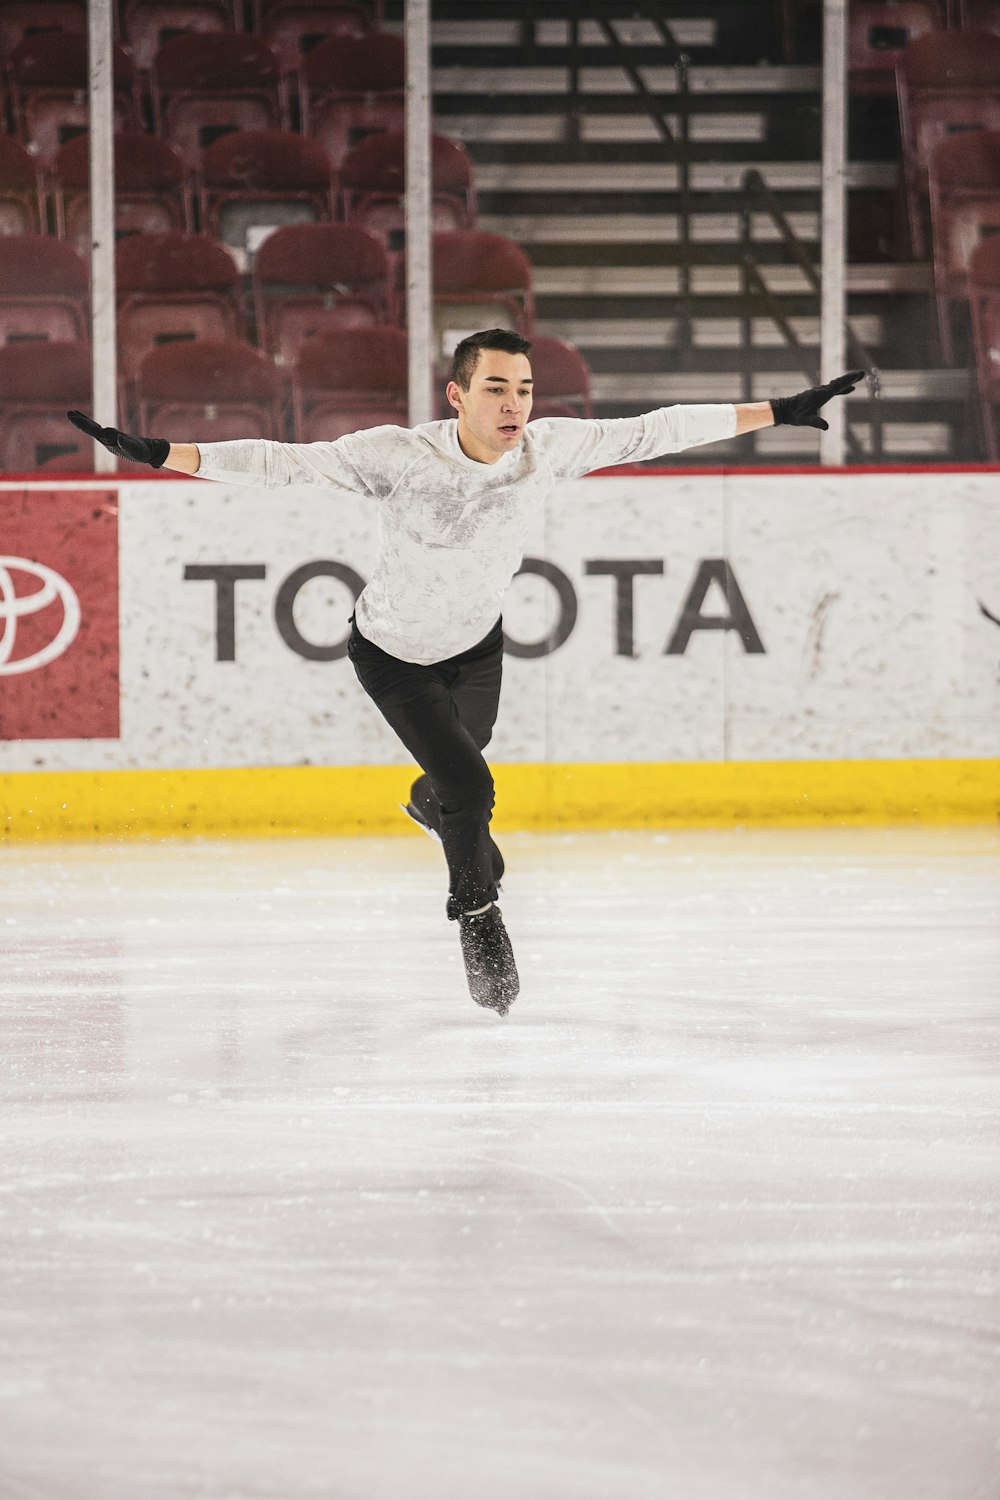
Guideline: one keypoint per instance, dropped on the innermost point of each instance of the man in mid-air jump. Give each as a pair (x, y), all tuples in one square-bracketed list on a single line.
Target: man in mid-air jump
[(455, 501)]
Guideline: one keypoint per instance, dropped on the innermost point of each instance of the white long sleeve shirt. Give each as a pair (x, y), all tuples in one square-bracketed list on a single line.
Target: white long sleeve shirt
[(451, 531)]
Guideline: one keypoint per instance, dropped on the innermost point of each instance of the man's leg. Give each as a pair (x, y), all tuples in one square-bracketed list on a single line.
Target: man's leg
[(418, 704), (474, 682)]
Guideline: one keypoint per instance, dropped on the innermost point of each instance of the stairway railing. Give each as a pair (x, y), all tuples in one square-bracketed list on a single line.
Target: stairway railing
[(759, 299), (679, 141)]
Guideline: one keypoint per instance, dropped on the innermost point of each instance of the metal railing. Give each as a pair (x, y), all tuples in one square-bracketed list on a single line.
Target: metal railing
[(679, 141), (759, 299)]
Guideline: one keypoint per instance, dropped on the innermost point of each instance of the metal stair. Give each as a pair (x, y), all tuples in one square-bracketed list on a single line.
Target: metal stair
[(570, 163)]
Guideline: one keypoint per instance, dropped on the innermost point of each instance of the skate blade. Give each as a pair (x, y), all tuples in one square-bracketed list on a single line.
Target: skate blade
[(414, 817)]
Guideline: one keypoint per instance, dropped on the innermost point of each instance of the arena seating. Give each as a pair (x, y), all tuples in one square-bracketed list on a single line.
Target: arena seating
[(37, 383), (947, 82), (173, 288), (213, 390), (965, 209), (561, 380), (329, 61), (347, 380), (21, 18), (372, 186), (981, 15), (204, 85), (984, 298), (294, 27), (253, 181), (878, 31), (151, 188), (22, 196), (48, 76), (480, 280), (147, 24), (350, 87), (44, 285), (313, 277)]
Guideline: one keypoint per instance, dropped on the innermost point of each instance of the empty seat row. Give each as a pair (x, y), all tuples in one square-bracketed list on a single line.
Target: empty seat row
[(965, 210), (202, 85), (947, 84), (215, 390), (877, 29), (306, 277), (291, 27), (248, 182)]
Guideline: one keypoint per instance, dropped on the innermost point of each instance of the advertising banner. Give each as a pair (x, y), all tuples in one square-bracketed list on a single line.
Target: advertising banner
[(656, 618), (58, 615)]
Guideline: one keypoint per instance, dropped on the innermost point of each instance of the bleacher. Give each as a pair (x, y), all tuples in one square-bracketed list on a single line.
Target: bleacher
[(589, 187)]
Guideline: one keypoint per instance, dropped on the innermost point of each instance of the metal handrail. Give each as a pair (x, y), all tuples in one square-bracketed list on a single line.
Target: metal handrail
[(756, 190), (681, 142)]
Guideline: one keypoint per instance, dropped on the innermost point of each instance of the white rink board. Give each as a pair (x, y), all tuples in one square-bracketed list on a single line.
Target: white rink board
[(865, 591)]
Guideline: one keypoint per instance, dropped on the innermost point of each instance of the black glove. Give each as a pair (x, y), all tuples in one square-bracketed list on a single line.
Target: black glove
[(137, 450), (801, 410)]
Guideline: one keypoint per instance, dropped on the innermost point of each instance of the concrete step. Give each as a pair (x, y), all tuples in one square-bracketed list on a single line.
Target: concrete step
[(592, 177), (594, 337), (606, 280), (518, 129), (513, 76), (652, 228)]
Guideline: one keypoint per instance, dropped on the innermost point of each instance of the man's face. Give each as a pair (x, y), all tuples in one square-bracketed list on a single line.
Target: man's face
[(493, 411)]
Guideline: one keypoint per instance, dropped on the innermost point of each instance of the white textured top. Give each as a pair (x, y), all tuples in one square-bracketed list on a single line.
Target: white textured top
[(452, 531)]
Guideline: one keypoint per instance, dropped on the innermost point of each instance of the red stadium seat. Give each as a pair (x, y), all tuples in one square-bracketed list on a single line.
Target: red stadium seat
[(561, 380), (878, 30), (318, 277), (984, 298), (49, 77), (24, 18), (348, 380), (373, 185), (151, 194), (351, 87), (208, 392), (981, 15), (205, 85), (480, 280), (947, 82), (39, 383), (148, 24), (294, 27), (22, 198), (43, 291), (174, 288), (965, 209), (257, 180)]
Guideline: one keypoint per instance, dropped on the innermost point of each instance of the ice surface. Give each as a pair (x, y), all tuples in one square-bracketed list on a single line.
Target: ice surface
[(712, 1215)]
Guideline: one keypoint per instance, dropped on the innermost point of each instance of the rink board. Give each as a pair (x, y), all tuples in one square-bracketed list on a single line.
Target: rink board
[(711, 647)]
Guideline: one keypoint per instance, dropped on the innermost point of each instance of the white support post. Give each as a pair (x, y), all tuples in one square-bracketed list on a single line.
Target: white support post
[(104, 363), (833, 302), (418, 210)]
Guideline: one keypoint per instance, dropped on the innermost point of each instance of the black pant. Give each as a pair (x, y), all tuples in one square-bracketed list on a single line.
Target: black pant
[(444, 715)]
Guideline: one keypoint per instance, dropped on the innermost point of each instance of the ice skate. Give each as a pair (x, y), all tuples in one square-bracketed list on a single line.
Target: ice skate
[(489, 960), (414, 814)]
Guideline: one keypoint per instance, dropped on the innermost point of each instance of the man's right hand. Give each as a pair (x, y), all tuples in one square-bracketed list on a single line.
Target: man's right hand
[(138, 450)]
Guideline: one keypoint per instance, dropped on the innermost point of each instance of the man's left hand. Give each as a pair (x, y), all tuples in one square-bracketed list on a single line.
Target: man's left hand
[(802, 410)]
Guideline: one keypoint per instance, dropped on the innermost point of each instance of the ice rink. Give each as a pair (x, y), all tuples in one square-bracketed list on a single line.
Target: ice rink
[(712, 1215)]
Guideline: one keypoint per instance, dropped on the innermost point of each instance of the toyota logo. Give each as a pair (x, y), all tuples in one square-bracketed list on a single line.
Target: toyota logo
[(14, 607)]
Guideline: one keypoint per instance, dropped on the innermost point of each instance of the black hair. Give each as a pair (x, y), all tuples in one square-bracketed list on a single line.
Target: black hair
[(466, 355)]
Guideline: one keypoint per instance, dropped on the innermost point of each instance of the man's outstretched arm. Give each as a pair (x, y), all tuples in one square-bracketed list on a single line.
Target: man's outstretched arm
[(796, 411), (157, 452), (184, 457), (752, 415)]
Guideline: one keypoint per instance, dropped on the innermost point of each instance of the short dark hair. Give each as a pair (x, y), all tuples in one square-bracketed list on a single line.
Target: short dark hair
[(466, 355)]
